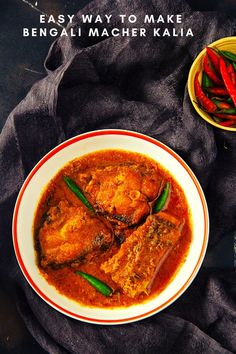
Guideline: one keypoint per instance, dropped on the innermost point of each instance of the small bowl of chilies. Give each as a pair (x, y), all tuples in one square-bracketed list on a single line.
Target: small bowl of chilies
[(212, 83)]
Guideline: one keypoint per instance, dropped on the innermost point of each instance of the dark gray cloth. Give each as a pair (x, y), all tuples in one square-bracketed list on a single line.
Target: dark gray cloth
[(137, 84)]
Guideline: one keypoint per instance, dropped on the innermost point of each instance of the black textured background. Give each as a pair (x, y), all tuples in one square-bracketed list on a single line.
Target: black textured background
[(21, 59)]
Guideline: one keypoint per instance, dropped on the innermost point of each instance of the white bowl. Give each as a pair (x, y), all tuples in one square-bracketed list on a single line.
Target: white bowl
[(50, 164)]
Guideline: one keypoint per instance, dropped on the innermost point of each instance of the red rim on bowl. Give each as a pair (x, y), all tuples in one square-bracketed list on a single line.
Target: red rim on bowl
[(63, 146)]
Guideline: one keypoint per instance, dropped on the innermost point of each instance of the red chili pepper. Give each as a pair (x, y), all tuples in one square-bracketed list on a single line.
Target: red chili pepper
[(227, 123), (219, 91), (224, 105), (208, 70), (213, 58), (225, 116), (221, 104), (232, 74), (202, 98), (227, 80)]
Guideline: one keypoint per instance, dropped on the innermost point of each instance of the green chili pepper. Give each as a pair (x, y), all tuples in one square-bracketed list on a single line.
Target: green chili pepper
[(234, 65), (77, 191), (229, 100), (217, 120), (206, 81), (161, 201), (96, 283), (229, 55), (227, 111)]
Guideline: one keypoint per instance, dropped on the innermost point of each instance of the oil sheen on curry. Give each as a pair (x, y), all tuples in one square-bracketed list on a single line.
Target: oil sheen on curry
[(112, 228)]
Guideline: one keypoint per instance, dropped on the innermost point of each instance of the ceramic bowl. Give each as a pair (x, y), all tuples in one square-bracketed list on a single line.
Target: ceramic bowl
[(43, 172)]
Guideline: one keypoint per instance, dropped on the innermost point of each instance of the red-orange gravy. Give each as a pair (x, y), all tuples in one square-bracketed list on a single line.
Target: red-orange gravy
[(74, 286)]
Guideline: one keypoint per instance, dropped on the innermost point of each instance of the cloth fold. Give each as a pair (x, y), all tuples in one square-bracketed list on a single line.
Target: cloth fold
[(137, 84)]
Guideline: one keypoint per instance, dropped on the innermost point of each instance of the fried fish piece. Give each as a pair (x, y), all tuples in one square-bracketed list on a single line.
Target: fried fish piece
[(122, 192), (70, 234), (140, 257)]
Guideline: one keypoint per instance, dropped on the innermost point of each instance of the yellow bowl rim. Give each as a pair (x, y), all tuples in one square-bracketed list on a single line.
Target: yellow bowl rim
[(204, 115)]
